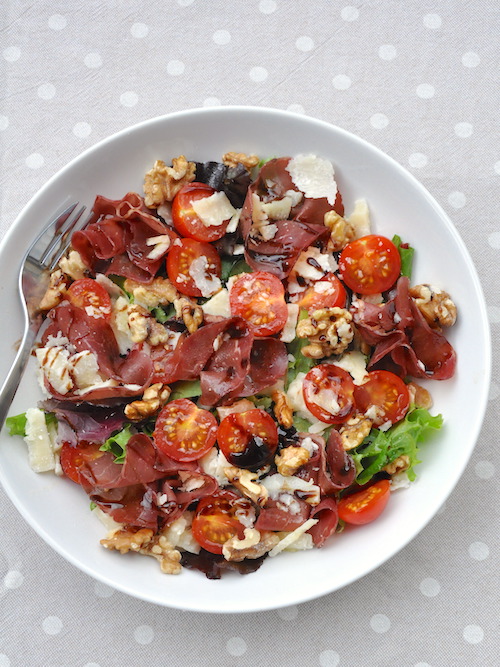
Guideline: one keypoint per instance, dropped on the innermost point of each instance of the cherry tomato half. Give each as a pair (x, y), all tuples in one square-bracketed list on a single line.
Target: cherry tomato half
[(386, 393), (185, 219), (74, 458), (370, 264), (216, 520), (259, 298), (328, 392), (91, 296), (184, 431), (365, 505), (188, 258), (325, 293), (248, 439)]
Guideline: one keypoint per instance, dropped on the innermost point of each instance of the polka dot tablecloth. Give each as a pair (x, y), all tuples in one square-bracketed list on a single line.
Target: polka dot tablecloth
[(417, 79)]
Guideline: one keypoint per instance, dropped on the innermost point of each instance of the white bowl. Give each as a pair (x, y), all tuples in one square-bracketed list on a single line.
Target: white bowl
[(59, 511)]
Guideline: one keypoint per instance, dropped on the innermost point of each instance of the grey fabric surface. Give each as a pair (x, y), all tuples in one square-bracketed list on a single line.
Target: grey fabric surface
[(417, 79)]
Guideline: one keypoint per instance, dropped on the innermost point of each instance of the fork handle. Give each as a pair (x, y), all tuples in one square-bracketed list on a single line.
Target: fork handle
[(15, 374)]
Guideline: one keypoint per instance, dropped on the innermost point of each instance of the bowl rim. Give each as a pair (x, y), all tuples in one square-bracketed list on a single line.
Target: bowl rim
[(485, 340)]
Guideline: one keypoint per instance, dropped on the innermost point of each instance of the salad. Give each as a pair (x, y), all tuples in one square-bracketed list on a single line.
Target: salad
[(230, 364)]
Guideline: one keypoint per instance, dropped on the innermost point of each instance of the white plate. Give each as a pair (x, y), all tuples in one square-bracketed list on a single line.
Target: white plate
[(59, 511)]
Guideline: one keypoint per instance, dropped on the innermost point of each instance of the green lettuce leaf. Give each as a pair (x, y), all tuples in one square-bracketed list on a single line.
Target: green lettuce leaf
[(232, 266), (406, 253), (185, 389), (117, 444), (380, 448), (163, 314)]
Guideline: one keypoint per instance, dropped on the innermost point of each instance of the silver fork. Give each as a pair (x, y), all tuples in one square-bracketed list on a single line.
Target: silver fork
[(38, 263)]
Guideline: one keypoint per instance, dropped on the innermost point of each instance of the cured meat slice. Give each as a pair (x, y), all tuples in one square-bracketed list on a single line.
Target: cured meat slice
[(404, 342)]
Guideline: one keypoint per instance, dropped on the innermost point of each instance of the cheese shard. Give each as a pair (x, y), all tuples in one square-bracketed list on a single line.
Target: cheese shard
[(40, 450), (292, 537), (360, 218), (213, 210), (314, 176), (218, 305)]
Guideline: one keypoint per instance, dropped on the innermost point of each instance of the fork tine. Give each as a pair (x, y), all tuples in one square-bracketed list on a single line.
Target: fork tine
[(64, 226), (65, 239)]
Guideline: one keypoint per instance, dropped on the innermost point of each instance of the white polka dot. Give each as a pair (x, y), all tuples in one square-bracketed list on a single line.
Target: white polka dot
[(463, 130), (304, 43), (139, 30), (473, 634), (288, 613), (211, 102), (425, 91), (52, 625), (329, 658), (175, 67), (267, 6), (421, 664), (350, 13), (380, 623), (93, 60), (379, 121), (494, 240), (236, 646), (91, 664), (144, 634), (82, 130), (470, 59), (185, 3), (417, 160), (430, 587), (479, 550), (296, 108), (494, 389), (129, 98), (4, 660), (46, 91), (221, 37), (493, 314), (258, 74), (457, 199), (35, 161), (484, 469), (4, 123), (432, 21), (57, 22), (13, 579), (341, 82), (387, 52), (12, 53), (103, 590), (496, 167)]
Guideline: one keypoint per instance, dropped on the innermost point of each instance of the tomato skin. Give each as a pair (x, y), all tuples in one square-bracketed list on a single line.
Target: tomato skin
[(333, 296), (184, 431), (180, 258), (185, 219), (366, 505), (387, 392), (88, 293), (216, 520), (370, 264), (330, 378), (248, 439), (74, 457), (259, 298)]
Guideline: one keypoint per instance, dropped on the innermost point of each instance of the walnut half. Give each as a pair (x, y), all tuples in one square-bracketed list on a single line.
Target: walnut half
[(145, 542), (329, 331), (253, 545), (162, 183), (154, 398), (435, 305)]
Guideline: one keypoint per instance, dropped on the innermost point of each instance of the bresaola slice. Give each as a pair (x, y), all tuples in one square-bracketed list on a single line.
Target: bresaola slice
[(304, 227), (404, 342), (114, 242)]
